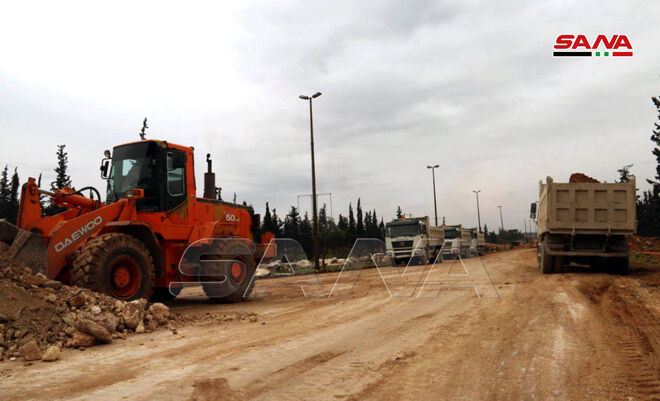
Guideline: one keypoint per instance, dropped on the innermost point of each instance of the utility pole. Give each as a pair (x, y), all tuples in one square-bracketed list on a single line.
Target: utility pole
[(478, 214), (501, 219), (525, 223), (435, 203), (316, 216)]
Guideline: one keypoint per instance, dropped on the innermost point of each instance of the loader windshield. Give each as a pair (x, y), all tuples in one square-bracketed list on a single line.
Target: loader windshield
[(134, 166)]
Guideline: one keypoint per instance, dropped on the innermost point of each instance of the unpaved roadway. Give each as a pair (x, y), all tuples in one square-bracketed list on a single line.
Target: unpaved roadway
[(572, 336)]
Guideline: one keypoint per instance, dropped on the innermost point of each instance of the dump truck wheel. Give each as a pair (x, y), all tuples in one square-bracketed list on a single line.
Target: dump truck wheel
[(237, 284), (546, 261), (115, 264), (617, 266), (623, 266)]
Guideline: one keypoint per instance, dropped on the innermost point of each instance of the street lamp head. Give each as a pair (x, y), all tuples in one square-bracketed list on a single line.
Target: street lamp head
[(317, 94), (303, 97), (429, 167), (477, 191), (436, 166)]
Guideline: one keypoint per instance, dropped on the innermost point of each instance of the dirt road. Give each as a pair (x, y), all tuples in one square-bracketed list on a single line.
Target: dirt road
[(577, 335)]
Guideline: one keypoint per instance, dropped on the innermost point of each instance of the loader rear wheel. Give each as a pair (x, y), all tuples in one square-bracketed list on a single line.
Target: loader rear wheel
[(237, 283), (115, 264)]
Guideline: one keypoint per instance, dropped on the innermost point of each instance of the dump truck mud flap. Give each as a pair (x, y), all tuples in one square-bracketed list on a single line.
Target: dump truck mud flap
[(25, 246)]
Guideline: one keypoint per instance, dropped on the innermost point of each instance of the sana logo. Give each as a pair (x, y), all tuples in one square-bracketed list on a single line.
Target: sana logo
[(581, 46)]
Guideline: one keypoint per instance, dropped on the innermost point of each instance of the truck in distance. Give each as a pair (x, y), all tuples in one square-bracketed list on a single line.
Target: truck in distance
[(478, 242), (586, 223), (414, 237), (457, 242)]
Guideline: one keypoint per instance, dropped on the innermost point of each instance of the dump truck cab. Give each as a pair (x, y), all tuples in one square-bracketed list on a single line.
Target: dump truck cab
[(457, 242), (413, 238)]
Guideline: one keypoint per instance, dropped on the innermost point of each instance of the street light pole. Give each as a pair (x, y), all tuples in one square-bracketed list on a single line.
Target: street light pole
[(501, 220), (478, 214), (435, 202), (315, 214)]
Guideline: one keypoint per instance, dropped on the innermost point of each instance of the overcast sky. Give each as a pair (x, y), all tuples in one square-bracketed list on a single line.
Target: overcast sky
[(469, 85)]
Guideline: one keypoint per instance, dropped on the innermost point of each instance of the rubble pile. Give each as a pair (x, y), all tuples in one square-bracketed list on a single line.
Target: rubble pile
[(39, 316), (645, 244), (331, 264), (577, 178)]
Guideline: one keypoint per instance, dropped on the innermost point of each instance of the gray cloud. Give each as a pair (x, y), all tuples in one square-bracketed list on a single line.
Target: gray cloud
[(470, 85)]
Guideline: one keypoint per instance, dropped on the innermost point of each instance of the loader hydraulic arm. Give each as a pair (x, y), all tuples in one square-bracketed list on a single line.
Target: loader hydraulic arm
[(29, 210), (47, 243)]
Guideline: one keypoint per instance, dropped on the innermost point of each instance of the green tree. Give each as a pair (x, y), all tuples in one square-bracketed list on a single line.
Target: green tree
[(323, 218), (351, 221), (359, 227), (267, 225), (292, 223), (62, 179), (342, 223), (648, 206), (323, 233), (624, 173), (13, 197), (277, 224), (5, 193), (306, 226)]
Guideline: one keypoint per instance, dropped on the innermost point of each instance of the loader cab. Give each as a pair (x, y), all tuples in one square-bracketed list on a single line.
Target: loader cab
[(155, 167)]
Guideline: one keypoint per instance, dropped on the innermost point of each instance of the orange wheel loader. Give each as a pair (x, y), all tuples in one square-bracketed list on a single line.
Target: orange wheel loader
[(130, 246)]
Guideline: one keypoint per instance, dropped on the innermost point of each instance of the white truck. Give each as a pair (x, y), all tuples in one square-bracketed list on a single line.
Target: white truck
[(457, 242), (413, 238), (477, 243)]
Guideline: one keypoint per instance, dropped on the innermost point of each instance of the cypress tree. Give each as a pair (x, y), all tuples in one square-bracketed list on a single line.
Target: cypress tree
[(62, 179), (5, 190), (13, 197), (267, 225), (359, 228)]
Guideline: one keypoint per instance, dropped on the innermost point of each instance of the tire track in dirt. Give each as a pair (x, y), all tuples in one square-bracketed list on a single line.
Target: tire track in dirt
[(633, 329)]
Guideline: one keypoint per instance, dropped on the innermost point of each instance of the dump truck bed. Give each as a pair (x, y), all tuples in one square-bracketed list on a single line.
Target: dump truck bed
[(587, 208)]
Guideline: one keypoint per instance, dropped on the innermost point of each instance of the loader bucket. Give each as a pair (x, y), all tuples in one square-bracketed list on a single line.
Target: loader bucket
[(26, 247), (8, 232)]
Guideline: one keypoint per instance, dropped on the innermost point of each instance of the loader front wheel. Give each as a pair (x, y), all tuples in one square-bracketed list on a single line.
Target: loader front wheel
[(115, 264)]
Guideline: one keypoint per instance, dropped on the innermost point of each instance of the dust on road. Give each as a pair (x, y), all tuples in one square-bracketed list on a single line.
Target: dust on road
[(577, 335)]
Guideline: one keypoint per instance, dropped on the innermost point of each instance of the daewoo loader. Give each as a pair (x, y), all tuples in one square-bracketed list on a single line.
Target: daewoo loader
[(130, 246)]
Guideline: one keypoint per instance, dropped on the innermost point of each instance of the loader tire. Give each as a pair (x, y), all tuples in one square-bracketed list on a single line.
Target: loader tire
[(115, 264), (236, 285)]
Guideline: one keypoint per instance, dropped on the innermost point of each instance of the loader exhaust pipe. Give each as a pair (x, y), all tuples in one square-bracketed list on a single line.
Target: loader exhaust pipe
[(209, 179)]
